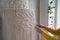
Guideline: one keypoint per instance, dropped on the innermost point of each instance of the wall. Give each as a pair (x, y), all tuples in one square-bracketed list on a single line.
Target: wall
[(0, 28), (43, 14), (58, 14), (0, 14)]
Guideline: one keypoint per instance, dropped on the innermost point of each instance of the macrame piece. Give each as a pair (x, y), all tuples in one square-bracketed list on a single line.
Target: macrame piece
[(18, 21), (19, 25), (17, 4)]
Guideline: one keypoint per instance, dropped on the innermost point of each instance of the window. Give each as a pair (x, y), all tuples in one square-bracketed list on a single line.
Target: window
[(51, 13), (54, 13)]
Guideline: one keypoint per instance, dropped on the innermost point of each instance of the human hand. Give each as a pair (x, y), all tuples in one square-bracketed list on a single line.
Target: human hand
[(38, 29), (40, 25)]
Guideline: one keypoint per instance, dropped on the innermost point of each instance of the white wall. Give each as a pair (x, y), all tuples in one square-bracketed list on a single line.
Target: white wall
[(58, 14), (44, 12)]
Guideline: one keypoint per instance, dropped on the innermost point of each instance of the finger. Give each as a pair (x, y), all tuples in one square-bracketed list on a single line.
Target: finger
[(38, 30)]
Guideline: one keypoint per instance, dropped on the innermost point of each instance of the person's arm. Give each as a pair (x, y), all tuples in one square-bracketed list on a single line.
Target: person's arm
[(53, 31), (48, 37)]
